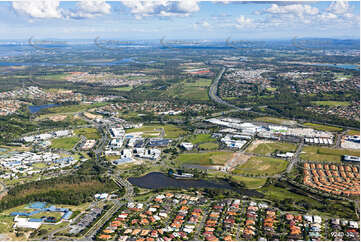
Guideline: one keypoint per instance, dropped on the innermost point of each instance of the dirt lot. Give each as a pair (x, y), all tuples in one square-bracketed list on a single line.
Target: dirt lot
[(256, 143)]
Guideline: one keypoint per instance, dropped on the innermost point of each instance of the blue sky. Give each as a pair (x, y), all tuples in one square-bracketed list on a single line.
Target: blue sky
[(186, 19)]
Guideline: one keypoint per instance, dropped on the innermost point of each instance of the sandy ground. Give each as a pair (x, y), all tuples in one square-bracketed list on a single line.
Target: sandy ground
[(255, 143), (237, 159)]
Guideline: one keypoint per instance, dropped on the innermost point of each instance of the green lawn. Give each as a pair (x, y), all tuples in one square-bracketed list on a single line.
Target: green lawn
[(250, 182), (314, 153), (208, 146), (207, 158), (200, 138), (261, 166), (89, 133), (270, 148), (66, 143), (323, 127), (331, 103), (171, 131), (57, 215)]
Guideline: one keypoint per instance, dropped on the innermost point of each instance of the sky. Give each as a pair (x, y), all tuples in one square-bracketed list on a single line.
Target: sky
[(185, 19)]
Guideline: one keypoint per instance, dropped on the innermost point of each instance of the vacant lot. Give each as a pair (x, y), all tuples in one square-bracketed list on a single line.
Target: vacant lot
[(89, 133), (269, 147), (323, 127), (208, 158), (261, 166), (171, 131), (250, 182), (66, 143), (331, 103), (314, 153)]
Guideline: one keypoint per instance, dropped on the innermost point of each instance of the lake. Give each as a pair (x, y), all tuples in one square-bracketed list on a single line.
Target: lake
[(157, 180), (343, 66), (35, 109)]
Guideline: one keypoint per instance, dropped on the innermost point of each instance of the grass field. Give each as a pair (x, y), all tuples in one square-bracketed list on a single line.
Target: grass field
[(124, 88), (261, 166), (331, 103), (314, 153), (250, 182), (66, 143), (57, 215), (208, 146), (353, 132), (171, 131), (200, 138), (323, 127), (89, 133), (208, 158), (270, 148), (196, 91), (275, 120)]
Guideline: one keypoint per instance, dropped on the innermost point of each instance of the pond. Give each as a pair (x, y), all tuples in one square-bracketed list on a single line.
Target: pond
[(35, 109), (157, 180)]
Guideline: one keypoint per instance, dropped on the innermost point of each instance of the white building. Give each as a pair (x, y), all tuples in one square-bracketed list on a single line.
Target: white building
[(187, 146)]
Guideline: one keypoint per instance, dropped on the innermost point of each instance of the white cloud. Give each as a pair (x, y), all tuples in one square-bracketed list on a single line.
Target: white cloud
[(51, 9), (338, 7), (161, 7), (38, 9), (243, 22), (90, 9), (327, 16), (296, 9)]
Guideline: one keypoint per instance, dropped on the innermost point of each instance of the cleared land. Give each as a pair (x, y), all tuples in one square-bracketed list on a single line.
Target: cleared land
[(275, 120), (261, 166), (89, 133), (200, 138), (323, 127), (208, 158), (66, 143), (171, 131), (331, 103), (268, 147), (314, 153), (250, 182)]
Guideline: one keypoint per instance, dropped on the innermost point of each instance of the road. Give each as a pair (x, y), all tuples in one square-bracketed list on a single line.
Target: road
[(295, 157)]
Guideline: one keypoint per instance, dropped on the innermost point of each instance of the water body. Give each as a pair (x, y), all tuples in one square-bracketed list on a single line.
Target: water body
[(157, 180), (35, 109), (343, 66)]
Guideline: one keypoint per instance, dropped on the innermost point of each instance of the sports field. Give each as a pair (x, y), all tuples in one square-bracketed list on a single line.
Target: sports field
[(267, 148), (261, 166), (208, 146), (207, 158), (314, 153), (200, 138)]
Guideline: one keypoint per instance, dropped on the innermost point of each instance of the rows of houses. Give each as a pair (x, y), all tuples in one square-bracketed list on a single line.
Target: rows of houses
[(333, 178)]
